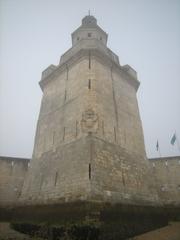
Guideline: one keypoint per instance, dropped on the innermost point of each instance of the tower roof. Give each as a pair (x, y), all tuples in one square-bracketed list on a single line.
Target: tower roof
[(89, 21)]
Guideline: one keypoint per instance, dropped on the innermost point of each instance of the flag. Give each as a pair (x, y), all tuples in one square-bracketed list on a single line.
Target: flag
[(157, 145), (173, 139)]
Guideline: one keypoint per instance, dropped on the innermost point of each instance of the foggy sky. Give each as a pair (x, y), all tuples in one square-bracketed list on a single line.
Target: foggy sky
[(143, 33)]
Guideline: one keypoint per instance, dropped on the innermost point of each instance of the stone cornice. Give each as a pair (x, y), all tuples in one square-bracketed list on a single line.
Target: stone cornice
[(84, 53)]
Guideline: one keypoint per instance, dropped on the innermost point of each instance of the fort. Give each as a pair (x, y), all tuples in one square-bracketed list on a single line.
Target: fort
[(89, 144), (165, 171)]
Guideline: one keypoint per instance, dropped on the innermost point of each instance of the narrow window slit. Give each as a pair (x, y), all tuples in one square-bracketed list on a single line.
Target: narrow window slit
[(65, 96), (115, 134), (64, 133), (56, 177), (123, 180), (103, 127), (53, 137), (76, 128), (89, 171), (89, 60), (89, 84)]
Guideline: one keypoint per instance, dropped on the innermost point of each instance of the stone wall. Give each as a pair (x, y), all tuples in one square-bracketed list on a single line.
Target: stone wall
[(59, 176), (166, 172), (119, 176), (12, 174), (91, 176)]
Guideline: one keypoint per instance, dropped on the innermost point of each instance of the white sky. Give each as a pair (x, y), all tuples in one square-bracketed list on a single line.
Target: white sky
[(143, 33)]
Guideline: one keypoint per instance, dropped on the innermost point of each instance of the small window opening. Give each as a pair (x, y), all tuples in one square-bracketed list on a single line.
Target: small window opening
[(89, 171), (65, 95), (53, 138), (123, 180), (56, 177), (89, 84), (100, 38), (103, 127), (115, 134), (89, 60), (77, 38), (76, 128), (89, 34), (64, 132)]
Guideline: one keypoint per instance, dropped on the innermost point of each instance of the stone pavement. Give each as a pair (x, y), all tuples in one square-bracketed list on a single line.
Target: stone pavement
[(170, 232), (6, 233)]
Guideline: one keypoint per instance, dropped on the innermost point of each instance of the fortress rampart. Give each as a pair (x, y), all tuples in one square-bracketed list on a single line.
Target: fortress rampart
[(166, 174), (12, 175), (165, 171)]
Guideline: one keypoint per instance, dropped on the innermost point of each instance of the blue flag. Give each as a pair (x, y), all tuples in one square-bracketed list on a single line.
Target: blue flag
[(173, 139)]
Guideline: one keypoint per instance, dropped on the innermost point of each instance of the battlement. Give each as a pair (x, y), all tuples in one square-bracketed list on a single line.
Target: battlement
[(165, 162)]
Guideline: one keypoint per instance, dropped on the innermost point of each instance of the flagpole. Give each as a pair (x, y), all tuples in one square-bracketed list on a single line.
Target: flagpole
[(159, 152), (158, 148)]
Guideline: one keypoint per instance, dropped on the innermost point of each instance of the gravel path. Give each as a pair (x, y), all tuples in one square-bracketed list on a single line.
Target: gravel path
[(170, 232), (6, 233)]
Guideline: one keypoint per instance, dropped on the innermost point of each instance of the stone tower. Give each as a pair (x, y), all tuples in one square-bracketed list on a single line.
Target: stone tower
[(89, 143)]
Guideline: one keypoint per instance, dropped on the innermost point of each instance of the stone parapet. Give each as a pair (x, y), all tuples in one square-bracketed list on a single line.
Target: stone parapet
[(12, 175), (166, 174)]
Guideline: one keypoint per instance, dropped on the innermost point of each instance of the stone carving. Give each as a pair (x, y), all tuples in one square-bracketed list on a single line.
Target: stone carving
[(89, 122)]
